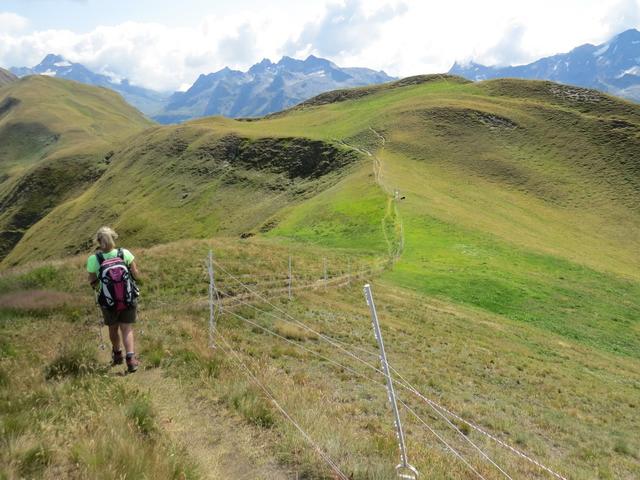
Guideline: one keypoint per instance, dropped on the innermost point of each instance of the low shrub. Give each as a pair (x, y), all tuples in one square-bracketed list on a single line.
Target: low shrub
[(153, 353), (622, 447), (114, 454), (213, 367), (34, 461), (75, 360), (4, 377), (252, 406), (141, 413), (184, 358)]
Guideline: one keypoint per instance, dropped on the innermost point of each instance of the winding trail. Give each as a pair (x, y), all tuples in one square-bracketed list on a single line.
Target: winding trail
[(392, 215), (380, 136), (220, 444)]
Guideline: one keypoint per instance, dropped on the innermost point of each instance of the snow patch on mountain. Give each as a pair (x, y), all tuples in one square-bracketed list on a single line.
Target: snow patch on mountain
[(613, 67), (631, 71), (147, 101)]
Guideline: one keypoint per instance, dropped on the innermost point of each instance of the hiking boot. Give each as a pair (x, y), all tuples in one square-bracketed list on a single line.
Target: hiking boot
[(116, 357), (132, 363)]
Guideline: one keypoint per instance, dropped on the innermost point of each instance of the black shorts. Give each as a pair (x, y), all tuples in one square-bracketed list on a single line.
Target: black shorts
[(112, 317)]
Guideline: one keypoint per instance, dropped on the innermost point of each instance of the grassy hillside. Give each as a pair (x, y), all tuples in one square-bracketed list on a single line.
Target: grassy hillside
[(56, 137), (6, 77), (544, 170), (506, 215), (175, 182)]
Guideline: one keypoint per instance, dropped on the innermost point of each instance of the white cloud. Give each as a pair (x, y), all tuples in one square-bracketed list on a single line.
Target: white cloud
[(239, 47), (12, 22), (402, 38), (148, 54), (624, 14), (343, 29), (509, 50)]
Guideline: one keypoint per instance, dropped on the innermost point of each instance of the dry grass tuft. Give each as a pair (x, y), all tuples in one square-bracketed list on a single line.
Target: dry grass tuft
[(75, 360)]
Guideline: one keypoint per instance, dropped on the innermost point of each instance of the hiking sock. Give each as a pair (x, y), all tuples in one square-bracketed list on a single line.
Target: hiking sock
[(132, 362), (116, 356)]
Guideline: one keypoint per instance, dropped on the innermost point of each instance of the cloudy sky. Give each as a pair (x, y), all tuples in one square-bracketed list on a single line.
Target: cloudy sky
[(166, 44)]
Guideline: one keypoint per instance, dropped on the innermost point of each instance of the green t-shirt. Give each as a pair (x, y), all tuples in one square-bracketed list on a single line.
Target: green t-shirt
[(94, 267)]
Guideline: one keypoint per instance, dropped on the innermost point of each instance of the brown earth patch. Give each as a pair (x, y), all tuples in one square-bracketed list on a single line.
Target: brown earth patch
[(36, 300)]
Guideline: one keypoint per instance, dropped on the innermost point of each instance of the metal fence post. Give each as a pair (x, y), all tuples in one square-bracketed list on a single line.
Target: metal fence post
[(404, 470)]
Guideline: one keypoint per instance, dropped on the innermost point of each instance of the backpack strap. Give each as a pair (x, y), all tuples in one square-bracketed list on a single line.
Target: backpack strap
[(100, 258), (121, 254)]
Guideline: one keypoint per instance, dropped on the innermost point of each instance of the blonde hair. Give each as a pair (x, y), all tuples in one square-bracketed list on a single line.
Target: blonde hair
[(106, 238)]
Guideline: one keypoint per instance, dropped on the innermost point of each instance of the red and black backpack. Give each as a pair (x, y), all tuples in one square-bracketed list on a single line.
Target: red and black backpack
[(118, 289)]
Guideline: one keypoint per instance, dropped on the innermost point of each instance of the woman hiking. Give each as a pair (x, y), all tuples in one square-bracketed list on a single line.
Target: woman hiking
[(112, 272)]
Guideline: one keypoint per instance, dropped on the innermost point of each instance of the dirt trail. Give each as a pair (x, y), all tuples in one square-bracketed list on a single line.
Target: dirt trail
[(220, 444), (380, 136), (392, 215)]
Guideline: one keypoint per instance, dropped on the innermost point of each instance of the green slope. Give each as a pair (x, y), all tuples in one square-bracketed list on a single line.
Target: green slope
[(191, 182), (523, 203), (56, 137), (546, 173)]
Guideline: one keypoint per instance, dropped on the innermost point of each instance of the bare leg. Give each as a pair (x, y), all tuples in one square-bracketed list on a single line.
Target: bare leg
[(127, 336), (114, 336)]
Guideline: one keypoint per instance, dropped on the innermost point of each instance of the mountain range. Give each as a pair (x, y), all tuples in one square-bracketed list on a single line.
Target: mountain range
[(268, 87), (265, 88), (612, 67), (147, 101)]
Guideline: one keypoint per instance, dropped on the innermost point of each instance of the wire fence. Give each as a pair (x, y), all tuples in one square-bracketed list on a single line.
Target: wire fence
[(252, 292)]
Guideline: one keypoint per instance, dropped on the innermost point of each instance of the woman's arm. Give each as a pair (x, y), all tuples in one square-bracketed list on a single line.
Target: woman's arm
[(93, 279), (133, 268)]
